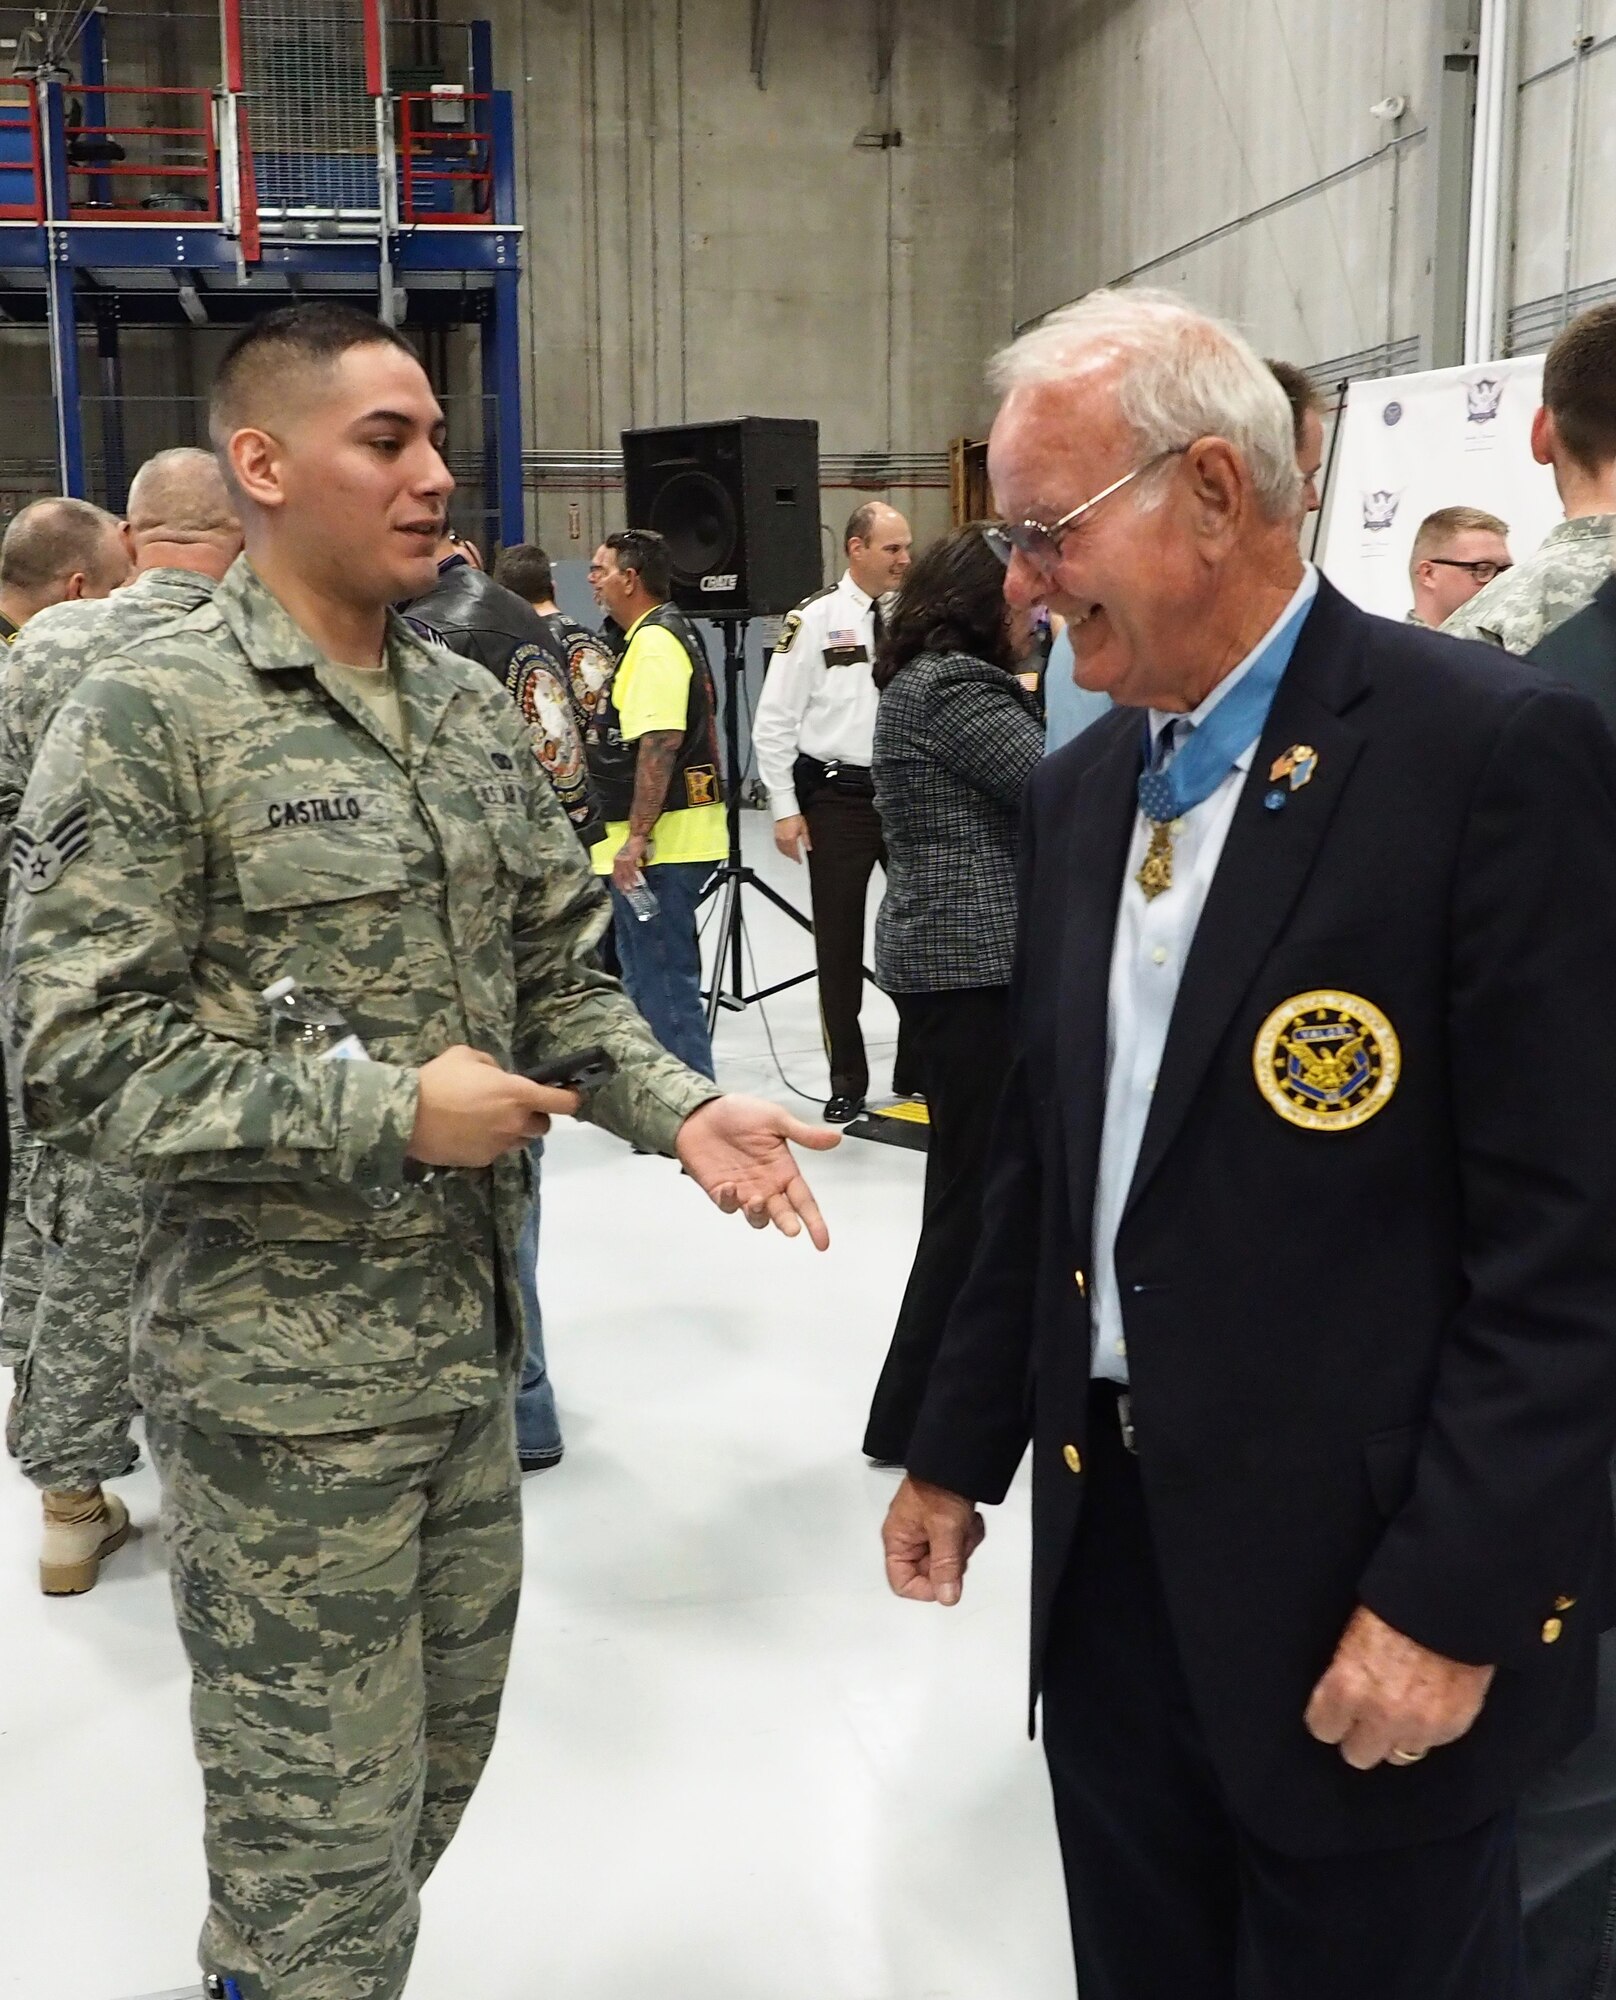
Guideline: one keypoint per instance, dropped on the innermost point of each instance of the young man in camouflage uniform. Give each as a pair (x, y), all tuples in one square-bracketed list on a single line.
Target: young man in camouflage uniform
[(327, 1325), (1575, 432), (73, 1405)]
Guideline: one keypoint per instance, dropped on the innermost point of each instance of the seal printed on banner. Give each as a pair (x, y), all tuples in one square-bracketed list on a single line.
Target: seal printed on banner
[(1380, 510), (1327, 1061), (1483, 398)]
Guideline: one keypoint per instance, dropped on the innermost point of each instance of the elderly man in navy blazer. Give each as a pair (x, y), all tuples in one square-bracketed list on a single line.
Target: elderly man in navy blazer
[(1298, 1253)]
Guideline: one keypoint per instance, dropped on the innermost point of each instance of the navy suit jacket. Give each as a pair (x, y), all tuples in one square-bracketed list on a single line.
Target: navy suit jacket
[(1372, 1366)]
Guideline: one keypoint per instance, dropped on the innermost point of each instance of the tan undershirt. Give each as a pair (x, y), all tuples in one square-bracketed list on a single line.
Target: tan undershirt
[(377, 688)]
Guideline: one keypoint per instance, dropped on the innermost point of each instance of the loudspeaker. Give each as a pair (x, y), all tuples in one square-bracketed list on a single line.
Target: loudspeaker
[(739, 505)]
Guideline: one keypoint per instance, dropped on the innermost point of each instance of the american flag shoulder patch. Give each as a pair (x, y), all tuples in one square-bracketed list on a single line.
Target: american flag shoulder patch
[(39, 864)]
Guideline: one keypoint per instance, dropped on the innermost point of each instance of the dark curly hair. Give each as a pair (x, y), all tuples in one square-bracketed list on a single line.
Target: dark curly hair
[(952, 601)]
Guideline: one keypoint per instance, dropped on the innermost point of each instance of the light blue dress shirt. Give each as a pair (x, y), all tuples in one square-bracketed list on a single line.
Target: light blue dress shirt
[(1152, 943)]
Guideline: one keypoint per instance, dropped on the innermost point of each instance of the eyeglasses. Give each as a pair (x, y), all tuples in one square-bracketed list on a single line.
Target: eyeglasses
[(1483, 572), (1041, 545)]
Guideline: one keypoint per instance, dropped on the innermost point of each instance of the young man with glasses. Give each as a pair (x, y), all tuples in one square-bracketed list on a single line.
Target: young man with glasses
[(1457, 553)]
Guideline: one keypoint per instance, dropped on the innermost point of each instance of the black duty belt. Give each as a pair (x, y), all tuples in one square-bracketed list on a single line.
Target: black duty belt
[(811, 774)]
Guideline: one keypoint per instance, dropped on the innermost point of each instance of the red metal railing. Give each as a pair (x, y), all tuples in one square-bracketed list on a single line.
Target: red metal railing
[(456, 156), (21, 162), (185, 176), (247, 188)]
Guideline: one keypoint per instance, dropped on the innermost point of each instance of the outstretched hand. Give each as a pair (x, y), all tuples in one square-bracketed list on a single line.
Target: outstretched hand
[(738, 1151)]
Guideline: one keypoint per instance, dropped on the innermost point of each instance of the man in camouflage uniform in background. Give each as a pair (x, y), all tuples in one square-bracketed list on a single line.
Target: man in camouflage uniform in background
[(1567, 1816), (1575, 433), (327, 1323), (73, 1405), (55, 551)]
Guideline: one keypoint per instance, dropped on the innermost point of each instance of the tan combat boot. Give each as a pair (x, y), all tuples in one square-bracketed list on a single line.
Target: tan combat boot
[(81, 1529)]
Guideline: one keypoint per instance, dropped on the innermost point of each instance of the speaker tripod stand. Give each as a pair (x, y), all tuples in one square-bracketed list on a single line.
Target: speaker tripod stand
[(732, 878)]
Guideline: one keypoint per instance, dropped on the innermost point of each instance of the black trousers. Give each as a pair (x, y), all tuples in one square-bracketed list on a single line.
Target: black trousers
[(960, 1045), (1168, 1894), (845, 844)]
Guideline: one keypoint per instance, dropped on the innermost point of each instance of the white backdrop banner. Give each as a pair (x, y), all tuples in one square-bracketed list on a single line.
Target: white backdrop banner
[(1456, 437)]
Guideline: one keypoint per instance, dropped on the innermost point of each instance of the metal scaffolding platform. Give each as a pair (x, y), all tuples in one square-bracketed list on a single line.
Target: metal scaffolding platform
[(303, 172)]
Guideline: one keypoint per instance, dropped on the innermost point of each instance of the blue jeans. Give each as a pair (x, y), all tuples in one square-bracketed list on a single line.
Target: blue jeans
[(661, 959), (537, 1427)]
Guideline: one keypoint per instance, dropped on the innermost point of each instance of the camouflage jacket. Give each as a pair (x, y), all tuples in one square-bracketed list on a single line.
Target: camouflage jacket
[(210, 810), (1519, 607), (58, 647)]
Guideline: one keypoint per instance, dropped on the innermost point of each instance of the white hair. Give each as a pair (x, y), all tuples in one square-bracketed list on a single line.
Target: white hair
[(1184, 375)]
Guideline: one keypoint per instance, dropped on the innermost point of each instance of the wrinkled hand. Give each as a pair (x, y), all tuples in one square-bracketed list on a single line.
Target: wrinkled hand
[(470, 1111), (791, 837), (930, 1536), (629, 865), (735, 1149), (1384, 1692)]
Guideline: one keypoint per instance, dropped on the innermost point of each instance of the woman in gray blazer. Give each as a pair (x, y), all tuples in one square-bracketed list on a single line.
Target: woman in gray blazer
[(956, 738)]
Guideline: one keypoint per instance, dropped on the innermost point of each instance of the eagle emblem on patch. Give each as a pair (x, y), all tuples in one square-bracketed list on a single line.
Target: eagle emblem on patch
[(39, 864), (1327, 1061)]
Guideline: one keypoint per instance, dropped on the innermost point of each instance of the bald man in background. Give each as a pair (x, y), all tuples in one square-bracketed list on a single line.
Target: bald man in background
[(58, 551), (80, 1221)]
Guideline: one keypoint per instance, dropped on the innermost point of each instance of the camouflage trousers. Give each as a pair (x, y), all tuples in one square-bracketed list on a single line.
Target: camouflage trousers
[(73, 1402), (21, 1255), (346, 1603)]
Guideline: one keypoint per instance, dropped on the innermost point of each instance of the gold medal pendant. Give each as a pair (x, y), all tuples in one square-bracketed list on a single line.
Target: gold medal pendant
[(1156, 872)]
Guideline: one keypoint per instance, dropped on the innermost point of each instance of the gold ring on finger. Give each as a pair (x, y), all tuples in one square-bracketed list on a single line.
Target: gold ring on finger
[(1409, 1756)]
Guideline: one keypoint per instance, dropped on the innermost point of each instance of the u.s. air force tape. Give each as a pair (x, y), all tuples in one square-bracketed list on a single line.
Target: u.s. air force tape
[(1327, 1061), (38, 864)]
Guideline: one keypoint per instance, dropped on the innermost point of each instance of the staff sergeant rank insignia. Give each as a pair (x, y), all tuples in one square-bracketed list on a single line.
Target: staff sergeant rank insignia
[(1327, 1061), (38, 864)]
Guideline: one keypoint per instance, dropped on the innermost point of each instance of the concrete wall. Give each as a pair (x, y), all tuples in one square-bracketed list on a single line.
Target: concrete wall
[(699, 248), (1148, 131), (1564, 210)]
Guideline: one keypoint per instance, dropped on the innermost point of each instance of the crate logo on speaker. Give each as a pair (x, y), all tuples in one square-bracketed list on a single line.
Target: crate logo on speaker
[(717, 583)]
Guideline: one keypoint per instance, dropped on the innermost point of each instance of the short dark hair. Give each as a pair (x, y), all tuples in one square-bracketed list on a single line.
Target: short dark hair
[(952, 601), (268, 355), (52, 539), (525, 568), (1300, 393), (1579, 387), (645, 552), (861, 522)]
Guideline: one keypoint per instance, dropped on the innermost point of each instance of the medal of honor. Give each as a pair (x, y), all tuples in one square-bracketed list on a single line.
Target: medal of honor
[(1156, 872), (1327, 1061), (1189, 759)]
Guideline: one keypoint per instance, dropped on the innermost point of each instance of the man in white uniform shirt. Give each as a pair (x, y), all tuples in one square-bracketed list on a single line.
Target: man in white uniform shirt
[(814, 729)]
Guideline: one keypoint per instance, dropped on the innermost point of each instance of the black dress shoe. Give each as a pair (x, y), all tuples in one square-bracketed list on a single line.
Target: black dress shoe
[(539, 1461), (843, 1110)]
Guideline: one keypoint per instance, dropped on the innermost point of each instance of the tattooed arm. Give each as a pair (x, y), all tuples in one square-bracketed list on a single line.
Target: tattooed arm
[(659, 751)]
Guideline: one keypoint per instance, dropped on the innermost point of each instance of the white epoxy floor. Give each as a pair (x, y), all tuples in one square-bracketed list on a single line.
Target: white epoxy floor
[(731, 1767)]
